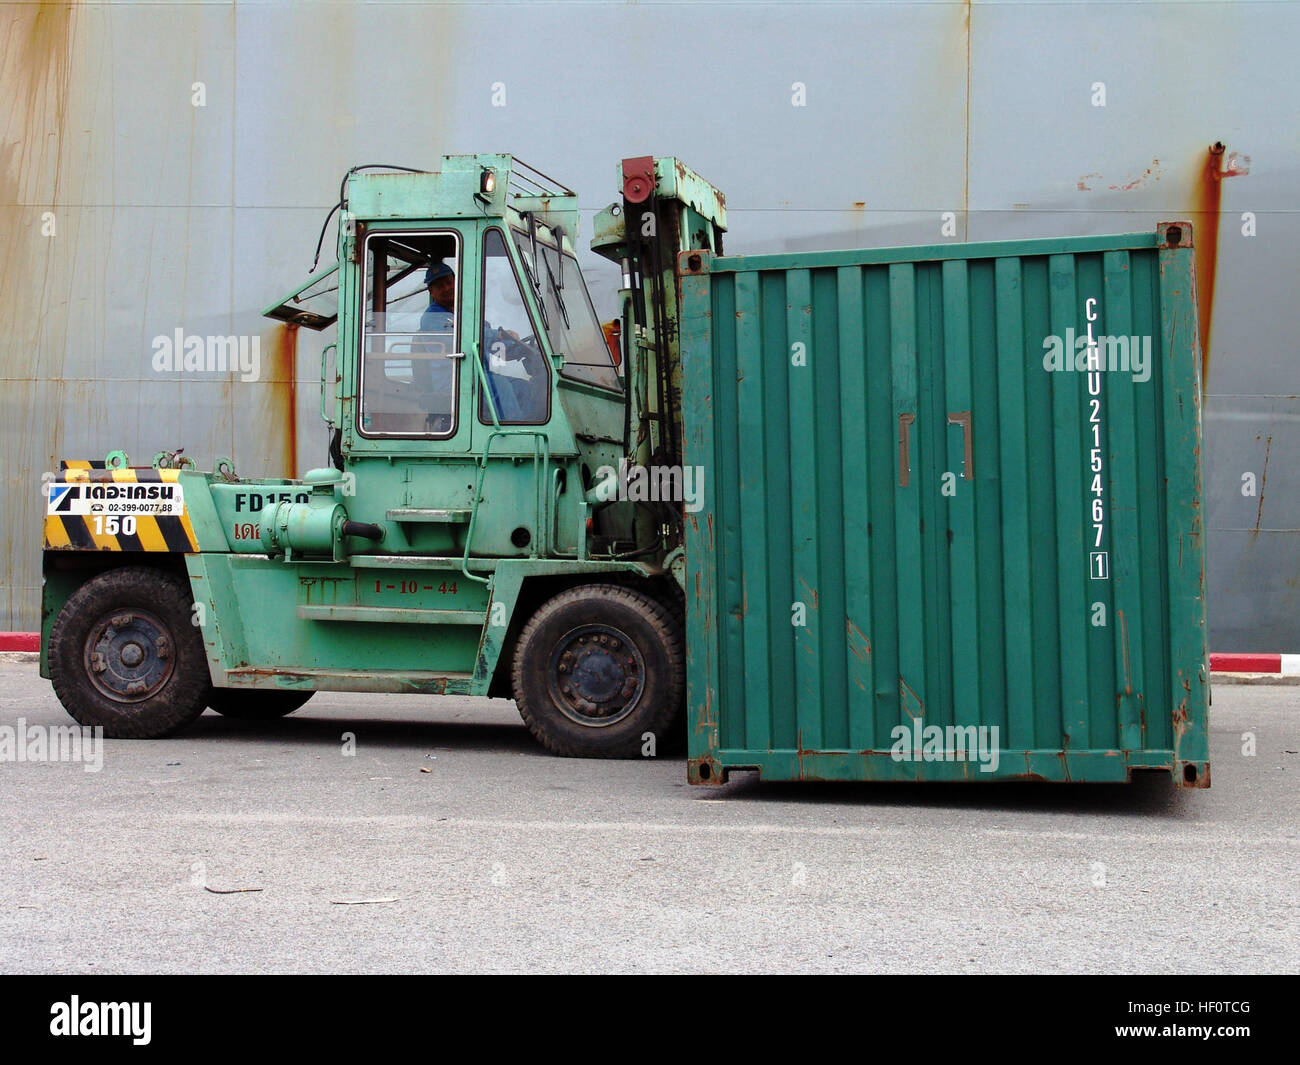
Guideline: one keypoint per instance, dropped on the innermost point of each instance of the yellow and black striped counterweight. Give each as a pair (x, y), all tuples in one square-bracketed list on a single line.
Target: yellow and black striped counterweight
[(89, 532)]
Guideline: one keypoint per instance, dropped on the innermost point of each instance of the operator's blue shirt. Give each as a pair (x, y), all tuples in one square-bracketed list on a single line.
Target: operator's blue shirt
[(437, 318)]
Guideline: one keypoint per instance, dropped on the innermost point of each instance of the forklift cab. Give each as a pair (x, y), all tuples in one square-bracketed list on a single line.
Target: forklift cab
[(415, 376), (483, 416)]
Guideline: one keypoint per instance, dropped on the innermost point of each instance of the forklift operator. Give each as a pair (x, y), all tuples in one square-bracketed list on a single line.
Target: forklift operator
[(506, 376), (440, 280)]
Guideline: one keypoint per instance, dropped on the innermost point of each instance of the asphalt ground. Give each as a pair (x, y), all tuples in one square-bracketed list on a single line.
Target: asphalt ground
[(450, 842)]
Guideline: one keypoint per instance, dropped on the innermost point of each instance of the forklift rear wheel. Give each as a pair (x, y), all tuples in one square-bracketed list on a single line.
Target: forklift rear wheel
[(125, 655), (599, 670), (250, 704)]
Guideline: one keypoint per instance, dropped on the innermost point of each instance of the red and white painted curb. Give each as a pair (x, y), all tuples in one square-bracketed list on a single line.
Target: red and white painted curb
[(20, 641), (1284, 665)]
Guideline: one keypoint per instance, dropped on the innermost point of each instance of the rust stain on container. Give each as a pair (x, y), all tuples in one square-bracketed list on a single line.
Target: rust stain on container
[(283, 344), (859, 642)]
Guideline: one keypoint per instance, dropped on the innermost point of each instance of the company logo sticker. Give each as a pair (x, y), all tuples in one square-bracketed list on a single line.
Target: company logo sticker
[(124, 498)]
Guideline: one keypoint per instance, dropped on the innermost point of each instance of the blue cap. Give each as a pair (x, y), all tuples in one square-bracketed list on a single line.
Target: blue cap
[(436, 271)]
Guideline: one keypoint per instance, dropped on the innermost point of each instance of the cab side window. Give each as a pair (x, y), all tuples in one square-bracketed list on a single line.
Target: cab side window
[(409, 369), (517, 371)]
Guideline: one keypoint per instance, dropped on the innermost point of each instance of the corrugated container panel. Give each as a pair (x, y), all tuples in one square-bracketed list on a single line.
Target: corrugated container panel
[(862, 562)]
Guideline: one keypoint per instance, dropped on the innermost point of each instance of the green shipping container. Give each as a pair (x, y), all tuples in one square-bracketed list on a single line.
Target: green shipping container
[(951, 526)]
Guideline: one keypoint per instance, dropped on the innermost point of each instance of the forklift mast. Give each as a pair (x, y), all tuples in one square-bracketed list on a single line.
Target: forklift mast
[(667, 211)]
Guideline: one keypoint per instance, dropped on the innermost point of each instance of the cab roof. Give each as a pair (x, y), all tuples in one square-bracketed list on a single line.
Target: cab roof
[(466, 186)]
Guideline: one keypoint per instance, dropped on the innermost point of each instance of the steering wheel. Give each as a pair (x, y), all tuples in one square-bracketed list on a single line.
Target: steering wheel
[(528, 347)]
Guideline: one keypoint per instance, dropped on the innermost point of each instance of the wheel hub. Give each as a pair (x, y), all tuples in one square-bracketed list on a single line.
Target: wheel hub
[(128, 656), (597, 675)]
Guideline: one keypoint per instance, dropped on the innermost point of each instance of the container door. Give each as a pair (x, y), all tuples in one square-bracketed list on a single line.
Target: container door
[(919, 430), (933, 361)]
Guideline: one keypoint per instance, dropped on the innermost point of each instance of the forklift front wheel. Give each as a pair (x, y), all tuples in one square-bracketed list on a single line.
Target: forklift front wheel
[(125, 655), (256, 704), (599, 672)]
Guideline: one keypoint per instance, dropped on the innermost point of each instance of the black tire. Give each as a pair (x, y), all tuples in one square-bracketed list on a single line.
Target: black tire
[(624, 653), (135, 624), (676, 741), (256, 704)]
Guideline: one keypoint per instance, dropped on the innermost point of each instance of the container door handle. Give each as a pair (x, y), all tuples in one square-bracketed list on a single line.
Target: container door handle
[(962, 418), (905, 422)]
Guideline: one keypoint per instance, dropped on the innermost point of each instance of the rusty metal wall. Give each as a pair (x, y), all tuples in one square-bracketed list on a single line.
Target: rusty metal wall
[(127, 212)]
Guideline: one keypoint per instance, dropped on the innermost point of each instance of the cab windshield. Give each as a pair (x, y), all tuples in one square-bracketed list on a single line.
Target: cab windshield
[(568, 315)]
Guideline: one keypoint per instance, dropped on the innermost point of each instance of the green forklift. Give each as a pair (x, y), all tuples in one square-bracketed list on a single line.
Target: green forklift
[(503, 510)]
